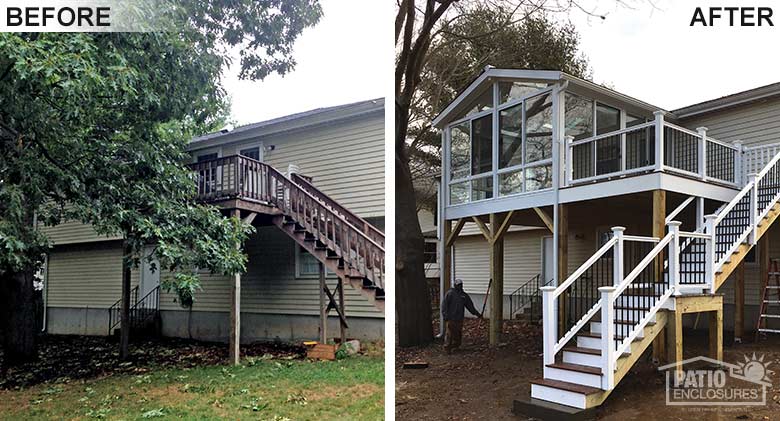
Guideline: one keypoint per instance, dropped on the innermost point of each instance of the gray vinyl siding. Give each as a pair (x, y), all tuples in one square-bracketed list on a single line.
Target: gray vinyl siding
[(754, 124), (270, 284), (86, 276), (346, 160)]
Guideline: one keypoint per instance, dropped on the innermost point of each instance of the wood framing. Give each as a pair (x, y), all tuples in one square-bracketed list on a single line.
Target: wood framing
[(704, 303), (342, 313), (235, 312), (452, 234), (659, 231), (548, 222), (739, 303), (496, 242), (323, 306)]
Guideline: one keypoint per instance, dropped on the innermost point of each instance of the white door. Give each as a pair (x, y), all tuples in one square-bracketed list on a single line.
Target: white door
[(548, 263), (150, 279)]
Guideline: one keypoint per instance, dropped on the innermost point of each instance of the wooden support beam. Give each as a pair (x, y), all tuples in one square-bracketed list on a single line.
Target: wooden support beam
[(739, 303), (497, 275), (546, 219), (249, 218), (763, 256), (445, 266), (342, 313), (323, 307), (504, 226), (674, 338), (716, 334), (451, 236), (659, 231), (235, 313), (563, 261), (486, 232)]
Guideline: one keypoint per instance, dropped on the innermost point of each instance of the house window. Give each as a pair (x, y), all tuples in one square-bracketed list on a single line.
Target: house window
[(538, 128), (208, 157), (482, 145), (253, 153), (579, 117), (510, 138), (607, 149), (306, 265), (431, 252), (510, 91)]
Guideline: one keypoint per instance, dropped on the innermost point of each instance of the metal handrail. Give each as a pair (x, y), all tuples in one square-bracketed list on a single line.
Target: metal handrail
[(116, 308)]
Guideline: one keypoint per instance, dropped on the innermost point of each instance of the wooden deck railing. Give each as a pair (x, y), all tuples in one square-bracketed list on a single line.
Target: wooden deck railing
[(359, 243)]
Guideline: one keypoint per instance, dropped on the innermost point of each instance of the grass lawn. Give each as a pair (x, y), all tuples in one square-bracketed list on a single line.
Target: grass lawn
[(265, 389)]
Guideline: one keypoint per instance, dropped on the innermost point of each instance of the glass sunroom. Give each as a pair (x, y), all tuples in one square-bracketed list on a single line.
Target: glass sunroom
[(519, 138)]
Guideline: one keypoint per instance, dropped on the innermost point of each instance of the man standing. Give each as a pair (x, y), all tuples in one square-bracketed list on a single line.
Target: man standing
[(452, 309)]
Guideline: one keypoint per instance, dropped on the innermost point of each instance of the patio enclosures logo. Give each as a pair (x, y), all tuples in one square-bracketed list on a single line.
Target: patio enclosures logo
[(703, 381), (86, 15)]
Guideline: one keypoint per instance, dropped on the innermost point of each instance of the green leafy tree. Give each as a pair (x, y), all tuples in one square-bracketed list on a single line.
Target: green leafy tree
[(94, 128), (442, 46)]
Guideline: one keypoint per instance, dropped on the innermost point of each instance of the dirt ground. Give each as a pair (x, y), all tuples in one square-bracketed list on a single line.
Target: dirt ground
[(480, 383)]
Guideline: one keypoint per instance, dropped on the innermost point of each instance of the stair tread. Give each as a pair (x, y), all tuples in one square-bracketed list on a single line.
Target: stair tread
[(570, 387), (627, 322), (582, 350), (576, 367), (598, 335)]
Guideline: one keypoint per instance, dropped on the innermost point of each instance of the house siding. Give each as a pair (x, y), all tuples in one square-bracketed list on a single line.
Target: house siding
[(754, 124), (74, 232)]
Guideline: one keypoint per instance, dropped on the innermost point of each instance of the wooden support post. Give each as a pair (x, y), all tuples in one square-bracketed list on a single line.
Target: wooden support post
[(124, 336), (739, 302), (342, 328), (563, 261), (659, 231), (235, 314), (497, 275), (716, 334), (323, 307), (763, 256), (446, 260), (674, 338)]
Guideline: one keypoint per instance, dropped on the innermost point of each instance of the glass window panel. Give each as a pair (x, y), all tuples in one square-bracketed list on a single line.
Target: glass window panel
[(508, 91), (482, 188), (538, 178), (579, 117), (510, 139), (510, 183), (482, 145), (460, 146), (459, 193), (253, 153), (607, 119), (207, 157), (308, 265), (632, 120), (482, 103), (538, 128)]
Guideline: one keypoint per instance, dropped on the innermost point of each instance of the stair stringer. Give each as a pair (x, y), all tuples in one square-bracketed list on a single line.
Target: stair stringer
[(737, 257), (334, 263)]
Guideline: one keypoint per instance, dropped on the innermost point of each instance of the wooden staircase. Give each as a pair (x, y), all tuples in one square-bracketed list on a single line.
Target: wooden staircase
[(586, 360), (345, 243)]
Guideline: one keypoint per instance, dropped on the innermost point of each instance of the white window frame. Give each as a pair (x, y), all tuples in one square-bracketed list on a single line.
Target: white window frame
[(258, 145)]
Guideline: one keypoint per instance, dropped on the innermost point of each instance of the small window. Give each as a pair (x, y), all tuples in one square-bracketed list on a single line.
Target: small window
[(253, 153), (508, 91), (431, 251), (578, 117), (538, 128), (482, 145), (632, 120), (208, 157), (607, 119), (306, 265), (510, 139), (460, 146)]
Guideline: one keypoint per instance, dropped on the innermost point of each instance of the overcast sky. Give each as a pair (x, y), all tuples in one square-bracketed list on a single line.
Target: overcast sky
[(347, 57), (654, 55)]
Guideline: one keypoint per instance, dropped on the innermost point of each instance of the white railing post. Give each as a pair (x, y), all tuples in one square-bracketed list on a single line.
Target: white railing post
[(703, 152), (659, 140), (549, 323), (709, 251), (674, 256), (699, 214), (617, 255), (738, 164), (753, 207), (567, 157), (607, 337)]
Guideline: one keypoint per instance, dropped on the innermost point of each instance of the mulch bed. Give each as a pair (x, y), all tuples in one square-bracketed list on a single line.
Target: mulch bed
[(63, 358)]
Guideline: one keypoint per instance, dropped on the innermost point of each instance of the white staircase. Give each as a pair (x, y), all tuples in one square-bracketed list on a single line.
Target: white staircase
[(586, 359)]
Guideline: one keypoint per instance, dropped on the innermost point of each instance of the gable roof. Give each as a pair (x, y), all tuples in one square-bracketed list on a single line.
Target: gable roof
[(490, 74), (728, 101), (292, 122)]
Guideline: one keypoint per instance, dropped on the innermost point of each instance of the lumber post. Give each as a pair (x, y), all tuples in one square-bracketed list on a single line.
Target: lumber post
[(716, 334), (763, 256), (496, 243), (342, 328), (674, 352), (235, 313), (563, 262), (659, 231), (323, 307), (739, 303), (124, 336)]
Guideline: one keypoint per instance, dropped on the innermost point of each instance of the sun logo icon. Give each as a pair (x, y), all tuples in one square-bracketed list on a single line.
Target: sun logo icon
[(755, 369)]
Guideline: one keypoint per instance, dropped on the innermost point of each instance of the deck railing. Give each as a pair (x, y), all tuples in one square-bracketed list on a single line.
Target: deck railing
[(238, 177), (653, 146)]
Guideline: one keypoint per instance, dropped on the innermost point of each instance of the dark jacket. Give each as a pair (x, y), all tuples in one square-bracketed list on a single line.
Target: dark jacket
[(455, 301)]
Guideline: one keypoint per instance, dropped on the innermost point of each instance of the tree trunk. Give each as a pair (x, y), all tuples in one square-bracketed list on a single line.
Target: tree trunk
[(18, 317), (413, 301), (124, 338)]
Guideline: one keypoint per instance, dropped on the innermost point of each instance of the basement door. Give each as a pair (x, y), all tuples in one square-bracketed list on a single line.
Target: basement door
[(150, 279)]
